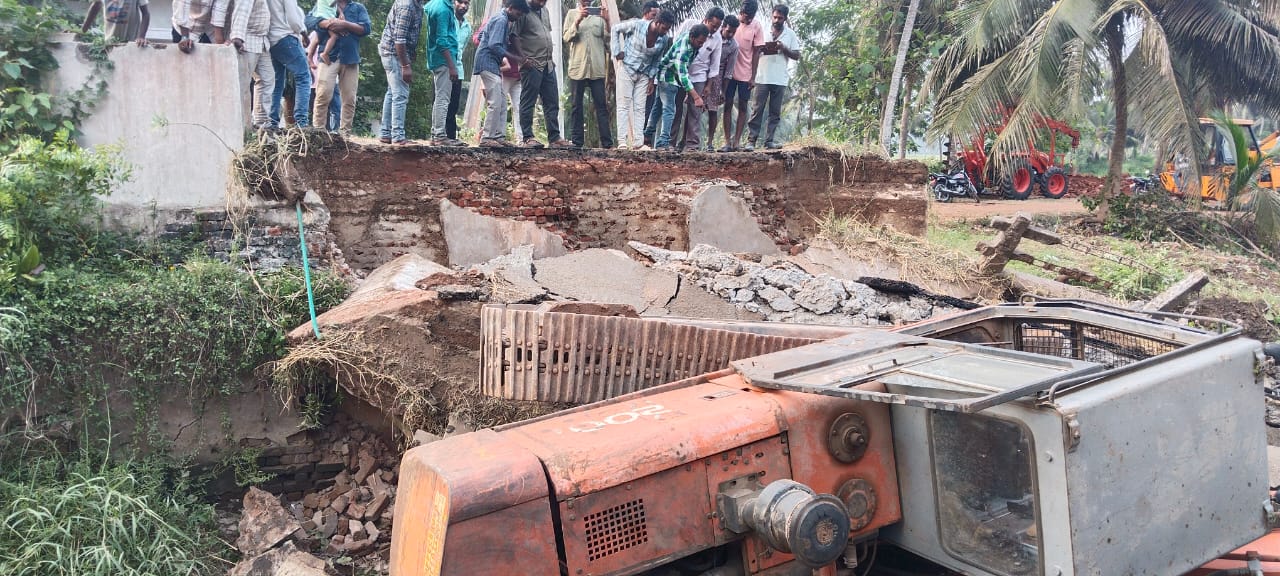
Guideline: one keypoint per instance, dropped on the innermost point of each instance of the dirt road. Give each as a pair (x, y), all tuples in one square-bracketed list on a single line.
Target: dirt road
[(968, 210)]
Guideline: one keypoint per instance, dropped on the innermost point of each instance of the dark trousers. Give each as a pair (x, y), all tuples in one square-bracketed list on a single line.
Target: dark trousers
[(451, 122), (576, 121), (655, 118), (540, 84), (770, 95), (692, 120)]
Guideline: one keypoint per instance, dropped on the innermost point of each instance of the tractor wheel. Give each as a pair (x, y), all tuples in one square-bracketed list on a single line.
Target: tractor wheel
[(1017, 180), (1054, 183)]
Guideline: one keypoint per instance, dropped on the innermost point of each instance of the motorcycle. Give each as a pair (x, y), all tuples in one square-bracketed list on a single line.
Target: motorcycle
[(954, 185), (1139, 185)]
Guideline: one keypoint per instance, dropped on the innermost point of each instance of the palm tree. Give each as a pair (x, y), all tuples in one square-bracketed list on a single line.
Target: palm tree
[(1169, 60), (895, 82)]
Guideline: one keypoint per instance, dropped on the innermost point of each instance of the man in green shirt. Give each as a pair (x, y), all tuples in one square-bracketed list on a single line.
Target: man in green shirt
[(442, 33), (673, 78), (586, 30), (538, 75)]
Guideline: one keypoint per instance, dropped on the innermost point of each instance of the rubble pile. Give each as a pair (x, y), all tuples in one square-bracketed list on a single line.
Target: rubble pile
[(348, 516), (781, 291)]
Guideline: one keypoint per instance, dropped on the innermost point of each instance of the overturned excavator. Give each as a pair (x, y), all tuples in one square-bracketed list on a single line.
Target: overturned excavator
[(1049, 439)]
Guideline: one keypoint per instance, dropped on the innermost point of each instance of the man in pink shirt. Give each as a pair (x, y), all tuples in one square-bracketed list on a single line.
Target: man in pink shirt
[(738, 86)]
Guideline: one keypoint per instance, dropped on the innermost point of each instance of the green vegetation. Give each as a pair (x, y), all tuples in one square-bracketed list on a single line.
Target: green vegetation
[(135, 318), (90, 518)]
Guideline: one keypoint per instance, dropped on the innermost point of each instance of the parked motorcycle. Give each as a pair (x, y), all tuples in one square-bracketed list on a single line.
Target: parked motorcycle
[(954, 185), (1139, 185)]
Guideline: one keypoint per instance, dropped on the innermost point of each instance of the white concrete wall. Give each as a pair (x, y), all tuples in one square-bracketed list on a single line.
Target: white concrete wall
[(184, 165)]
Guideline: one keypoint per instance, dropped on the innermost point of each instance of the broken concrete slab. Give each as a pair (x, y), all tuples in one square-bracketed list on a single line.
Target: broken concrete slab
[(286, 560), (601, 275), (473, 238), (403, 273), (1025, 284), (719, 219), (263, 523), (1178, 294), (824, 257), (783, 292)]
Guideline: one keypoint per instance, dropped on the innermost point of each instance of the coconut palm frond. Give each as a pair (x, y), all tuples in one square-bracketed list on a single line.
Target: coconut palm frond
[(977, 103), (1236, 50), (1158, 94)]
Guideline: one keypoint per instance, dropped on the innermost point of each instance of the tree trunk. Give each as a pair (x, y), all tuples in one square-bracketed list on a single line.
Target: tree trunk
[(895, 82), (906, 117), (1114, 35)]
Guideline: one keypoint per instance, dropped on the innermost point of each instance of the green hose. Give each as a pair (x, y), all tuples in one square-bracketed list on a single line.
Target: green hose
[(306, 272)]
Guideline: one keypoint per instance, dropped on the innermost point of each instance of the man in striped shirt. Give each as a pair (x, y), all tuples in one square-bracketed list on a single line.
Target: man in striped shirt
[(399, 42), (673, 78), (250, 24), (638, 46)]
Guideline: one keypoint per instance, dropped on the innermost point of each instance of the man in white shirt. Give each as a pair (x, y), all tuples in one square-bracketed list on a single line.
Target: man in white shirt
[(772, 76), (705, 66)]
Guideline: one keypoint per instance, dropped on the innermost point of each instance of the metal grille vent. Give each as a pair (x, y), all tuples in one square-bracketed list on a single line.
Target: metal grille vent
[(615, 529), (1106, 346)]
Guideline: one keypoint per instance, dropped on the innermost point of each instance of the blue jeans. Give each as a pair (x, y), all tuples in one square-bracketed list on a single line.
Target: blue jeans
[(668, 93), (287, 54), (395, 101), (335, 111)]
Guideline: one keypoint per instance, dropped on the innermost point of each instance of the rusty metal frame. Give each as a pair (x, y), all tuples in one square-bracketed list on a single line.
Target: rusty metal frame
[(775, 370)]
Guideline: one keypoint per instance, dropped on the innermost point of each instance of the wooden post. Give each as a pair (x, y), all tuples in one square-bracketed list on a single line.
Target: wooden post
[(998, 253)]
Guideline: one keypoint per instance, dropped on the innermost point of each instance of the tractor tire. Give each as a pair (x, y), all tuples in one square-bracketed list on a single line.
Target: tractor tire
[(1054, 183), (1017, 181)]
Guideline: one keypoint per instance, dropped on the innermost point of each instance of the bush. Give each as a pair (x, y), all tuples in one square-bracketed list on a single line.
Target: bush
[(133, 319), (81, 518), (49, 195)]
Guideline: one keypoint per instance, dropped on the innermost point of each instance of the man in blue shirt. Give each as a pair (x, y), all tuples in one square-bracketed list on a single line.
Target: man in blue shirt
[(455, 95), (343, 66), (442, 46), (495, 44)]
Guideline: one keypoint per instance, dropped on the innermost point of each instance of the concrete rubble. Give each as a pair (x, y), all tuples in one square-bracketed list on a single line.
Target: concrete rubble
[(347, 516), (781, 291)]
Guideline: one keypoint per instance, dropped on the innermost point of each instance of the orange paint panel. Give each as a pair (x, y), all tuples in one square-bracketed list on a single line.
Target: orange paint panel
[(591, 450), (809, 418), (518, 540), (638, 524), (446, 483)]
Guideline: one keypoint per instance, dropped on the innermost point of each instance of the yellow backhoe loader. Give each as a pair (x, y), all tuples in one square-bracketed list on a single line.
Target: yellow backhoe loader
[(1216, 171)]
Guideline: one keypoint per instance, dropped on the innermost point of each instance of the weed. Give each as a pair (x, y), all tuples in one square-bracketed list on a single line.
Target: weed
[(88, 517)]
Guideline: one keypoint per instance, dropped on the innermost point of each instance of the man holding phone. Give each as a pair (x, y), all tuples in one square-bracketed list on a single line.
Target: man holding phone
[(586, 31), (772, 76)]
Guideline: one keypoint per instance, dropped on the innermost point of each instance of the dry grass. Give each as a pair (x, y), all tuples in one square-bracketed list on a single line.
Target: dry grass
[(918, 261), (356, 365)]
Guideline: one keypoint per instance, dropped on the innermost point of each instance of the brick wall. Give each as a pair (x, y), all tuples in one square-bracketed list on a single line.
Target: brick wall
[(384, 202)]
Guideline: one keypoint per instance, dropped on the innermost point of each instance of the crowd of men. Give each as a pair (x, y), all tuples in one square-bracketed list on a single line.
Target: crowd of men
[(672, 79)]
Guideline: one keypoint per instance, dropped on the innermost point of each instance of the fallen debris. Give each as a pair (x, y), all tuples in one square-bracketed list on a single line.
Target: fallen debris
[(286, 560), (1178, 294), (264, 523), (782, 291)]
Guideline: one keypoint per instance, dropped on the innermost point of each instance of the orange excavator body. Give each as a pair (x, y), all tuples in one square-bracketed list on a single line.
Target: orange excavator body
[(622, 486)]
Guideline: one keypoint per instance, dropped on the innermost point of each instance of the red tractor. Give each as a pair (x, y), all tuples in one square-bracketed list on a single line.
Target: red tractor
[(1024, 171)]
